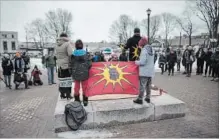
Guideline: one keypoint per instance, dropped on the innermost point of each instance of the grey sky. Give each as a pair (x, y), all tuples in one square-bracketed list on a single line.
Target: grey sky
[(91, 19)]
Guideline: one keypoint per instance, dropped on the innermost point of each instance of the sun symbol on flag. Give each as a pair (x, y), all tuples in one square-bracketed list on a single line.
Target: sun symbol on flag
[(113, 74), (136, 52)]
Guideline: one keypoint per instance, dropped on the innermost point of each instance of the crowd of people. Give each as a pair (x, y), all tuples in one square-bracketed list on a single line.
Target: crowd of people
[(73, 64), (204, 57)]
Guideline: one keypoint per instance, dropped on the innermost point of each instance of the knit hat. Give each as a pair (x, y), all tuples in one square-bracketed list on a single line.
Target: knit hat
[(137, 30), (79, 44), (143, 41)]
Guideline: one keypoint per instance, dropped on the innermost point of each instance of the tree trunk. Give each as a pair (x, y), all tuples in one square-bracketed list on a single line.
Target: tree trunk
[(190, 40)]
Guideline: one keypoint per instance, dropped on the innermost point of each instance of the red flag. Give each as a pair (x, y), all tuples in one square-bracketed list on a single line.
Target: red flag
[(113, 78)]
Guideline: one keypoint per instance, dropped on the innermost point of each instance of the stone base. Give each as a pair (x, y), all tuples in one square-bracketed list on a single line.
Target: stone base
[(104, 113)]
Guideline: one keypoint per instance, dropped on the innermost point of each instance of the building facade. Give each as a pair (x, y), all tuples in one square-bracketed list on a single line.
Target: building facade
[(8, 42)]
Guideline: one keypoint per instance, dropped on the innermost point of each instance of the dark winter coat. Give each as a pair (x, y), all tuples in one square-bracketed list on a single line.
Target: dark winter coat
[(162, 59), (7, 66), (172, 58), (19, 65), (131, 44), (215, 59), (123, 57), (26, 59), (189, 56), (80, 64), (207, 57), (200, 55)]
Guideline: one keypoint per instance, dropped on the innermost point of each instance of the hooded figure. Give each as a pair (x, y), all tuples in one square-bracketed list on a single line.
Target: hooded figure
[(132, 45), (64, 51), (146, 72), (7, 67), (80, 71)]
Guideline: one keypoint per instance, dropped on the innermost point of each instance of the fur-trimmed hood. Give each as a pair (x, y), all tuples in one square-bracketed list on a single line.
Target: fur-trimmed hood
[(62, 40)]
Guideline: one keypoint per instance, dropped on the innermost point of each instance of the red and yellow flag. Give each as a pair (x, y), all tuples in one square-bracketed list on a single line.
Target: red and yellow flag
[(113, 78)]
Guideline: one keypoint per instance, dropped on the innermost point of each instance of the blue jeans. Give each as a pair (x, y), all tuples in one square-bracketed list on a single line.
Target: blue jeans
[(50, 74)]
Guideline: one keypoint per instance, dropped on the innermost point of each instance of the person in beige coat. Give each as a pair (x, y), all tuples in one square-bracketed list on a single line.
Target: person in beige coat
[(64, 51)]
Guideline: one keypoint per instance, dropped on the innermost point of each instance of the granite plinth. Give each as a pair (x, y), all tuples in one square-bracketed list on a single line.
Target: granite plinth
[(104, 113)]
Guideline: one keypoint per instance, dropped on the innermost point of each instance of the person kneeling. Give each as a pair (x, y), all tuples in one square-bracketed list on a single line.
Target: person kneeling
[(146, 71), (36, 76), (80, 65)]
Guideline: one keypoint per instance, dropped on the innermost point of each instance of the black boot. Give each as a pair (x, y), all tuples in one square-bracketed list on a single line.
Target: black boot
[(77, 98), (62, 95), (138, 101), (85, 100), (147, 100), (68, 95)]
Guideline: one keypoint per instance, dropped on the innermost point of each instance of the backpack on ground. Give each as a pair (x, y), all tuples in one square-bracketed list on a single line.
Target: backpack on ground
[(75, 115)]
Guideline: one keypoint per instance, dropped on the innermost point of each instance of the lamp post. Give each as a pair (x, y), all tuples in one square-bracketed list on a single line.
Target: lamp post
[(86, 48), (148, 25)]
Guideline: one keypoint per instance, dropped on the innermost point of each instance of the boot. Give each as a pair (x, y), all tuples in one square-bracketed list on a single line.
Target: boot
[(77, 98), (62, 95), (68, 96), (138, 101), (85, 100), (147, 100)]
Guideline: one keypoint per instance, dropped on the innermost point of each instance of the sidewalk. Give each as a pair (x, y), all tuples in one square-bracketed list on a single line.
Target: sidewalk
[(28, 112)]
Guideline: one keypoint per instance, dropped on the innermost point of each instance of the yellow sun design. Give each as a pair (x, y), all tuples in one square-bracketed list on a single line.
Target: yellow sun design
[(113, 74), (136, 50)]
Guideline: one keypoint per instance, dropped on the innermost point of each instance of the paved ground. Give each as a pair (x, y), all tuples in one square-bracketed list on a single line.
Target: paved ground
[(29, 113)]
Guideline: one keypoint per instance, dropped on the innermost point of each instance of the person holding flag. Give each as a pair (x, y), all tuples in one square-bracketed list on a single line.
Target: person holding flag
[(146, 70), (132, 45)]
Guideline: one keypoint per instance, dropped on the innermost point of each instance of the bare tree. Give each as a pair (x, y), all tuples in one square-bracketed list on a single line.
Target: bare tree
[(169, 23), (186, 24), (37, 33), (122, 29), (58, 22), (208, 11), (155, 23)]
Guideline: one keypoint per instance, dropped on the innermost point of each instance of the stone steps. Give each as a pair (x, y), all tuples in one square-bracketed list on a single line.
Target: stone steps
[(105, 113)]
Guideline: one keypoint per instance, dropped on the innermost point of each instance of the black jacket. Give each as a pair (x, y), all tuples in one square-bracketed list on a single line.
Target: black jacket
[(200, 56), (132, 43), (189, 56), (7, 66), (123, 57), (215, 59), (162, 59), (207, 57), (172, 58), (80, 65)]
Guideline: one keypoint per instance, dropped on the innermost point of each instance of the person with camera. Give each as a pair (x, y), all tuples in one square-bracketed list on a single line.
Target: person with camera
[(19, 67)]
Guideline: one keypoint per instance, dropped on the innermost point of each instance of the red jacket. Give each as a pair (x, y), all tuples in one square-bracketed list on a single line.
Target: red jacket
[(36, 74)]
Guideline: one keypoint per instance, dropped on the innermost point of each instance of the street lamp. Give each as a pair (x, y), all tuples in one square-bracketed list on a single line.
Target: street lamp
[(148, 26), (86, 48)]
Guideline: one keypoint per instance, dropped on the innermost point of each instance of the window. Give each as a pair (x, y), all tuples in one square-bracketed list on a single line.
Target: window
[(5, 45), (13, 46), (4, 35), (12, 36)]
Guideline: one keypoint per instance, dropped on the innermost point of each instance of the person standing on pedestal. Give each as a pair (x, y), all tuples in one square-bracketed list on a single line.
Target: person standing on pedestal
[(80, 64), (64, 51), (146, 72), (132, 45)]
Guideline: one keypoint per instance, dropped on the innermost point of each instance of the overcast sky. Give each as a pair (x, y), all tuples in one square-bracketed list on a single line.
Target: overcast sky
[(91, 19)]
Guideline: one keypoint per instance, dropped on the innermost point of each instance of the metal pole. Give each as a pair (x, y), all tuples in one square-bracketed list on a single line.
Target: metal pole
[(148, 28), (180, 38)]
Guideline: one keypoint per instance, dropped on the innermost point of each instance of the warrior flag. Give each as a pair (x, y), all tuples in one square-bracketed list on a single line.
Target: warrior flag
[(113, 78)]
